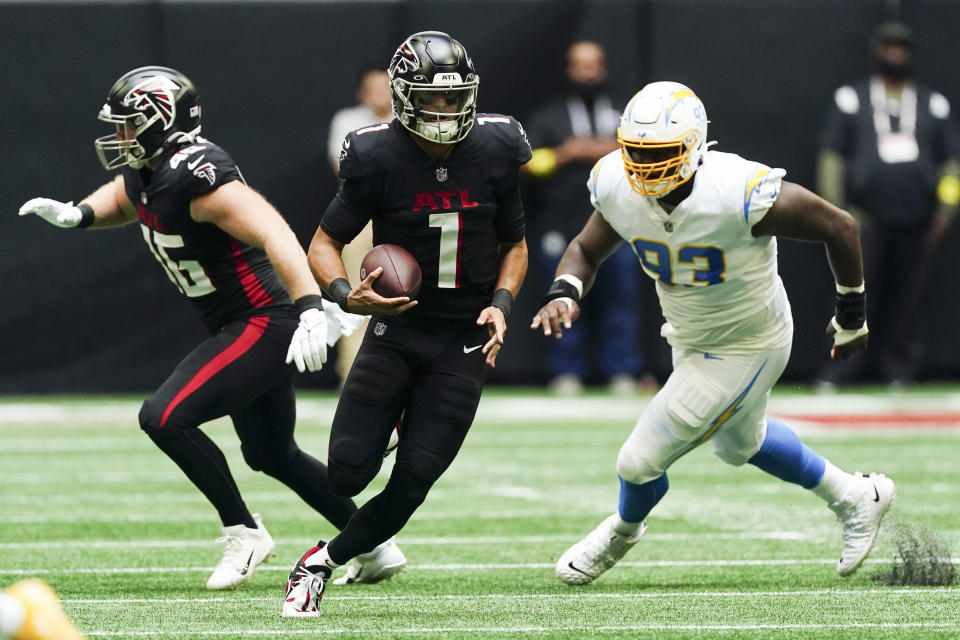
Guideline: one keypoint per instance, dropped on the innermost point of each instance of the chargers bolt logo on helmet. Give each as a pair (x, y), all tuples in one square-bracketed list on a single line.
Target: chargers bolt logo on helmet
[(663, 137), (434, 87), (153, 109)]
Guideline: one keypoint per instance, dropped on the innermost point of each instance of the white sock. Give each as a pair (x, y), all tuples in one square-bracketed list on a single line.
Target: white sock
[(628, 529), (12, 615), (319, 557), (833, 484)]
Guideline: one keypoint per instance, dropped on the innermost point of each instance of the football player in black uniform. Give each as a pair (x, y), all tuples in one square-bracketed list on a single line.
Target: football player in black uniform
[(230, 253), (441, 182)]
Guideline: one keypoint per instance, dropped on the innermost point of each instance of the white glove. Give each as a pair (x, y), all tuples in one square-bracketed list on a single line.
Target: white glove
[(61, 214), (341, 322), (308, 348)]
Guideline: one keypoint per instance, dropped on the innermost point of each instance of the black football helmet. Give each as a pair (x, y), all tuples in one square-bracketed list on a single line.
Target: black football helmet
[(434, 87), (154, 109)]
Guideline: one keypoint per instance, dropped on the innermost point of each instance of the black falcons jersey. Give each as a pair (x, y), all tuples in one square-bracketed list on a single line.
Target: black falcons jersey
[(223, 277), (451, 214)]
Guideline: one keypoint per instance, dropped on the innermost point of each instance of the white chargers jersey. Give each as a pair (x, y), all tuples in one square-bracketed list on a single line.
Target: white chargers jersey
[(718, 284)]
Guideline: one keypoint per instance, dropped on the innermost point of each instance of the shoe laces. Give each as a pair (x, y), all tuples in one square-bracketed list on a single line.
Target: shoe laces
[(234, 548), (599, 545)]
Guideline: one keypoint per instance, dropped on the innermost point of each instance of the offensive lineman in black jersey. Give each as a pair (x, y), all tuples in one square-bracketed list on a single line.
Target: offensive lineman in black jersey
[(447, 191), (230, 253)]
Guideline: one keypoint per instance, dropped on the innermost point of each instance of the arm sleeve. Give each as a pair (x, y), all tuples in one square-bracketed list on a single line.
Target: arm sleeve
[(348, 212), (510, 221)]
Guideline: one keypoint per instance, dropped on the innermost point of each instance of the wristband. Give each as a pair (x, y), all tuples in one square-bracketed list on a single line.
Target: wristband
[(561, 288), (842, 290), (87, 216), (503, 300), (339, 290), (851, 310), (311, 301), (574, 280)]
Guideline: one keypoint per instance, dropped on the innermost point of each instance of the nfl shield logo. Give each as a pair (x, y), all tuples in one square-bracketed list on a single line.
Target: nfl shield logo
[(441, 174), (379, 329)]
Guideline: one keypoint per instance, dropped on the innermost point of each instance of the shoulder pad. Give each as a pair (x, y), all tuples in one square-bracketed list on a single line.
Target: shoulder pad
[(359, 150), (508, 131), (204, 161)]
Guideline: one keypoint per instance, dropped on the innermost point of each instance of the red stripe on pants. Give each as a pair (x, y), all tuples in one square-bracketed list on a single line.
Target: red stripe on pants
[(251, 333)]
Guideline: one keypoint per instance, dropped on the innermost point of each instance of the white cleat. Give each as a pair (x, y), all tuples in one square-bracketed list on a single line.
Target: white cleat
[(385, 561), (305, 587), (245, 549), (601, 549), (860, 511)]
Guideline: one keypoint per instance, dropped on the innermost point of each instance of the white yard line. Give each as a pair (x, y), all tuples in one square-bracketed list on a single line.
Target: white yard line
[(445, 567), (318, 631), (541, 596), (536, 408), (116, 545)]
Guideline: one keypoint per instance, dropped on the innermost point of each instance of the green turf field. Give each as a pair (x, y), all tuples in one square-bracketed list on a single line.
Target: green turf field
[(88, 503)]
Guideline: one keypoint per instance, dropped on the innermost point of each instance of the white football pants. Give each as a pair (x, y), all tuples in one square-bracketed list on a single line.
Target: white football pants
[(718, 397)]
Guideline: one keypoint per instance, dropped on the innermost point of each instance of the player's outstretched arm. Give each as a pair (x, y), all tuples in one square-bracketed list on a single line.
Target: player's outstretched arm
[(575, 273), (513, 268), (802, 215), (326, 264), (247, 216), (106, 207)]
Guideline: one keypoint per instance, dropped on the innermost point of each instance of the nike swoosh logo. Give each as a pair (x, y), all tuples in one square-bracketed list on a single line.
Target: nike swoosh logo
[(246, 567), (707, 356), (465, 350), (570, 564), (346, 144), (876, 494), (193, 165)]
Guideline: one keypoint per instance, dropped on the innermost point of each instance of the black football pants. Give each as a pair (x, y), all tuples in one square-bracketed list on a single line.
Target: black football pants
[(433, 379), (240, 372)]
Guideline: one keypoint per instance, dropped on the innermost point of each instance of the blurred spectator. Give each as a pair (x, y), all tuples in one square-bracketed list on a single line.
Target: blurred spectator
[(889, 155), (569, 135), (375, 106)]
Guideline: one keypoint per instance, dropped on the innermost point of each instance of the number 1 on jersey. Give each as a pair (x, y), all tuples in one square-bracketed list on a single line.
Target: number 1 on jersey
[(448, 270)]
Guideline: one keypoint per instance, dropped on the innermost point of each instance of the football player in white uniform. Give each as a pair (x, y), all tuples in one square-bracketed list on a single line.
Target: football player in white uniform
[(703, 225)]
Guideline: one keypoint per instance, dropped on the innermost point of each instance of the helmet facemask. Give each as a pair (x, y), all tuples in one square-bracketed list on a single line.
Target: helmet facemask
[(438, 113), (124, 144), (662, 137), (657, 168), (433, 84)]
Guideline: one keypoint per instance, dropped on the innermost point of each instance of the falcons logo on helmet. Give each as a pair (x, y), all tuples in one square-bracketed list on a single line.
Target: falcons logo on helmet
[(404, 60), (158, 92)]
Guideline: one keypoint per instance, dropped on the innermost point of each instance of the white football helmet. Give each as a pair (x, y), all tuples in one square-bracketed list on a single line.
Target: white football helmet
[(663, 137)]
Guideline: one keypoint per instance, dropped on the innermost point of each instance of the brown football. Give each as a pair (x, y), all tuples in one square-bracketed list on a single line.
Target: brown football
[(401, 272)]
